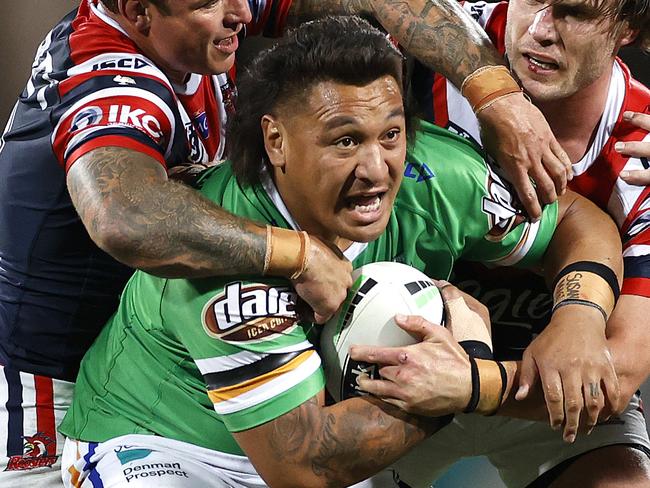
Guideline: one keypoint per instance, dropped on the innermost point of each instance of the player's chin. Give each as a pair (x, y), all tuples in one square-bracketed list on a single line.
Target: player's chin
[(366, 232), (220, 63)]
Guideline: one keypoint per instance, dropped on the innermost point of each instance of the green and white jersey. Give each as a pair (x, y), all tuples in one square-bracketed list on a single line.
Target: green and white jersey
[(194, 360)]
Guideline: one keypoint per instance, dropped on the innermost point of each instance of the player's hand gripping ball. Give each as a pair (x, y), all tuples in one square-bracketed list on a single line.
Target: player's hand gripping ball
[(380, 291)]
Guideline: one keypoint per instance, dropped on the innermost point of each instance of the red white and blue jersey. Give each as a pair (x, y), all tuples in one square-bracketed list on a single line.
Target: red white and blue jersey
[(597, 173), (519, 301), (90, 87)]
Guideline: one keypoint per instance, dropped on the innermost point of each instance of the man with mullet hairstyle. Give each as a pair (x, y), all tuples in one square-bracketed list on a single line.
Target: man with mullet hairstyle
[(122, 95), (218, 381)]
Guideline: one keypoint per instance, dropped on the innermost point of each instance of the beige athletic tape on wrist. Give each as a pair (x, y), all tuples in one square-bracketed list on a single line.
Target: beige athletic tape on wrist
[(488, 84), (489, 380), (287, 252), (584, 288)]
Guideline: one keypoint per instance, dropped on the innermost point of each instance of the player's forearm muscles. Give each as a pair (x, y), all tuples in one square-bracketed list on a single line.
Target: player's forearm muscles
[(142, 219), (437, 32), (316, 446), (583, 233), (627, 338)]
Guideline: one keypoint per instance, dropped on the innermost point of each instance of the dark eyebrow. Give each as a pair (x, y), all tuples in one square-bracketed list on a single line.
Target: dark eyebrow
[(341, 120)]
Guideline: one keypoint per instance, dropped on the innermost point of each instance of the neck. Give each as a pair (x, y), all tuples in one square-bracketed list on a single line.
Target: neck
[(575, 119), (141, 40)]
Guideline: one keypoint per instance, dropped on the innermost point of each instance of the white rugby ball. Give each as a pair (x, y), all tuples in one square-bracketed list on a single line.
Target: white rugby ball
[(380, 291)]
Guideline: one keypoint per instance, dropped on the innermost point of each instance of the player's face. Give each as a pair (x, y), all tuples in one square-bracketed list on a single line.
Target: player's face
[(342, 158), (558, 48), (197, 36)]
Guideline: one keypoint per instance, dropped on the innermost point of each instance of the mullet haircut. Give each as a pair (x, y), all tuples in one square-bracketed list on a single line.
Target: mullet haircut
[(342, 49)]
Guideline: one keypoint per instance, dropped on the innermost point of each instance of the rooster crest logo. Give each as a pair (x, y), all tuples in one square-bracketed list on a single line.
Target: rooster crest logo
[(36, 445), (38, 452)]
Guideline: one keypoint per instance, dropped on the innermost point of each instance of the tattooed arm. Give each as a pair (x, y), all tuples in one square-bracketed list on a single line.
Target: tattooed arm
[(133, 212), (446, 39), (461, 46), (314, 446)]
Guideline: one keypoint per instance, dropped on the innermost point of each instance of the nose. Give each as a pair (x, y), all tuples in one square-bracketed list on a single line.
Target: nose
[(372, 167), (237, 12), (543, 27)]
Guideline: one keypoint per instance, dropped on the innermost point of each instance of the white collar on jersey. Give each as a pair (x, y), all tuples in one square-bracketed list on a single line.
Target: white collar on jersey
[(187, 88), (100, 11), (613, 105), (351, 253)]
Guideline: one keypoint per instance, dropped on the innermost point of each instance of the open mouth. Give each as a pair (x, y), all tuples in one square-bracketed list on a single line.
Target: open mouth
[(365, 204), (366, 209), (228, 45), (541, 64)]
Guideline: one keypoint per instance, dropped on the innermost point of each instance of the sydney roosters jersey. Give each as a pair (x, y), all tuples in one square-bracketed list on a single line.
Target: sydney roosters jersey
[(597, 173), (90, 87), (519, 301)]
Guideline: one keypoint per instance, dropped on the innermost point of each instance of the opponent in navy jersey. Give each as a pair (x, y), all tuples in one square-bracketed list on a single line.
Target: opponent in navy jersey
[(91, 87), (585, 92)]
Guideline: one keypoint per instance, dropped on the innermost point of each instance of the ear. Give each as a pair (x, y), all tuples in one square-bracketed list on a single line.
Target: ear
[(627, 35), (136, 13), (274, 141)]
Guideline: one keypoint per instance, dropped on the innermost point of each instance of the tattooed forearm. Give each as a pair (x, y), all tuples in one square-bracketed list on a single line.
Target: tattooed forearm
[(346, 442), (302, 10), (133, 212), (437, 32)]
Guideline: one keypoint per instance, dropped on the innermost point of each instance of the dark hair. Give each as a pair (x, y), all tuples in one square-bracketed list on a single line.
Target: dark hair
[(634, 13), (161, 4), (340, 49), (637, 15)]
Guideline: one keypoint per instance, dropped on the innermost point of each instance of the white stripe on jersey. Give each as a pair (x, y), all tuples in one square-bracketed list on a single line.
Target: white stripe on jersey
[(636, 251), (9, 125), (226, 363), (523, 246), (4, 413), (116, 92), (243, 358), (41, 68), (148, 68), (624, 196), (301, 346), (271, 388), (218, 82), (613, 104), (99, 10)]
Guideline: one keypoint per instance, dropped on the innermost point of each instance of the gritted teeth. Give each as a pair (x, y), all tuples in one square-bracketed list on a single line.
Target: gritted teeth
[(542, 64), (365, 204), (225, 42)]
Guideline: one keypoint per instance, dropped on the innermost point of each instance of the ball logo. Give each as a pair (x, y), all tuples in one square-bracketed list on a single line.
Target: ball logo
[(351, 372), (87, 117), (251, 312)]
